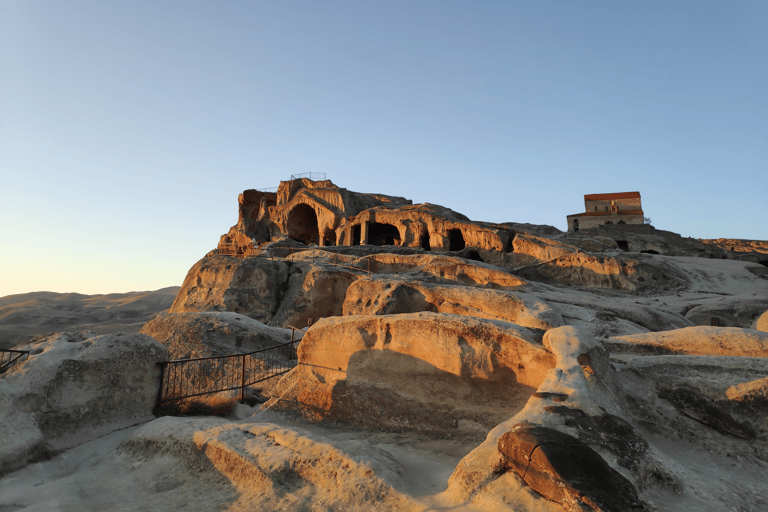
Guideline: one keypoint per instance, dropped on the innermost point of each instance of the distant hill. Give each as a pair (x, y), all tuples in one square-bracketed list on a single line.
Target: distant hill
[(27, 315)]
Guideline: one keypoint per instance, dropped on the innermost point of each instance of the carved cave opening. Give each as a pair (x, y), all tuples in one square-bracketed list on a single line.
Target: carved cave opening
[(510, 247), (623, 245), (382, 234), (424, 242), (455, 240), (474, 255), (329, 238), (356, 235), (302, 225)]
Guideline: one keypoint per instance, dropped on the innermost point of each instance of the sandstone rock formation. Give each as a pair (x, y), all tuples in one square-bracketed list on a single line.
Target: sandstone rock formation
[(72, 385), (422, 371), (761, 322), (268, 467), (381, 295), (707, 341), (190, 335), (519, 347)]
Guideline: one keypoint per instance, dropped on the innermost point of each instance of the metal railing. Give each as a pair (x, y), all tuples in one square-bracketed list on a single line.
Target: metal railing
[(234, 250), (185, 378), (9, 356), (314, 176)]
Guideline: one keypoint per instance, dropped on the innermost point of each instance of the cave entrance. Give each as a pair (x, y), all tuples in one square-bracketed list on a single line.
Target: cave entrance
[(356, 235), (382, 234), (302, 225), (474, 255), (329, 238), (623, 245), (455, 240), (424, 242)]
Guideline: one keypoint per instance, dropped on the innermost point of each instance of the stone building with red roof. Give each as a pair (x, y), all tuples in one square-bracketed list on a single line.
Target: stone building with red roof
[(607, 209)]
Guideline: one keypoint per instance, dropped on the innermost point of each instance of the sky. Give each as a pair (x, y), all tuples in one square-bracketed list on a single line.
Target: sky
[(128, 129)]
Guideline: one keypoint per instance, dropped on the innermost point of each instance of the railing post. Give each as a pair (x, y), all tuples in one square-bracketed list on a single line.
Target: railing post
[(160, 391), (242, 381)]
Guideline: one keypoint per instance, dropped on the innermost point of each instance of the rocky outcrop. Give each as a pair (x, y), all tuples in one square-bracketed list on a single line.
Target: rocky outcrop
[(707, 341), (188, 335), (251, 286), (424, 371), (314, 291), (74, 384), (586, 398), (448, 270), (736, 311), (380, 295)]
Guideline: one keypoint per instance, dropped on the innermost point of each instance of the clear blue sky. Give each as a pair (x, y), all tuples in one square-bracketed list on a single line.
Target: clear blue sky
[(127, 129)]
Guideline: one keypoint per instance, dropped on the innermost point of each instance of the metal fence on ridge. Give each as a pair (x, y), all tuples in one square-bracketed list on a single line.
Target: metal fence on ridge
[(185, 378)]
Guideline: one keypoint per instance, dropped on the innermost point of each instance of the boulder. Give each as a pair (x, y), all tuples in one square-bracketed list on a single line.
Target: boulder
[(251, 286), (566, 470), (381, 295), (699, 340), (188, 335), (424, 371), (761, 323), (72, 385)]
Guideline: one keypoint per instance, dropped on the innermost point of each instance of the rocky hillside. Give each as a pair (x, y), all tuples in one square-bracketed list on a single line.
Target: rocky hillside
[(520, 369)]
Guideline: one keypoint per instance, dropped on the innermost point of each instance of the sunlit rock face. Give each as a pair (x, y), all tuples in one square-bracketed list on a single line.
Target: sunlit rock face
[(423, 371), (761, 323), (705, 341), (381, 295), (74, 385), (251, 286)]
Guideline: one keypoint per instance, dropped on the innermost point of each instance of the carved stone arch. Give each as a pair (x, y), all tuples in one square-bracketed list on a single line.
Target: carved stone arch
[(302, 224)]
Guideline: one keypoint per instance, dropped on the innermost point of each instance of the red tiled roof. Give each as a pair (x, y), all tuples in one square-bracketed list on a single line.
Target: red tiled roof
[(616, 195), (598, 214)]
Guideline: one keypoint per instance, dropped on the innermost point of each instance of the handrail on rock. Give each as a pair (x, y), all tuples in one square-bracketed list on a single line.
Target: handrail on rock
[(9, 356), (185, 378)]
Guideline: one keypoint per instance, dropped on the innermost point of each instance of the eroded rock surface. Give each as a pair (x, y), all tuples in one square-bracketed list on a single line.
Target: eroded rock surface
[(74, 384), (386, 296), (423, 371), (268, 467), (251, 286), (698, 340), (188, 335)]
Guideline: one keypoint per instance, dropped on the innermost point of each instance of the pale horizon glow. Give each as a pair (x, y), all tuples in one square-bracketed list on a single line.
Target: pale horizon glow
[(128, 129)]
